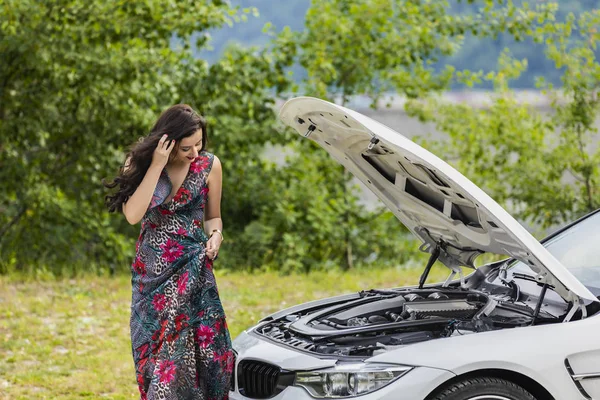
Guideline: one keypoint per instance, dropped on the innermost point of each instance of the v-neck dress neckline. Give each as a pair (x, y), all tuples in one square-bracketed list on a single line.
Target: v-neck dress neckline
[(171, 184)]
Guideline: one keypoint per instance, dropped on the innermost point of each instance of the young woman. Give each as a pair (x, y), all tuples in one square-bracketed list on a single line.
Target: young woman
[(180, 342)]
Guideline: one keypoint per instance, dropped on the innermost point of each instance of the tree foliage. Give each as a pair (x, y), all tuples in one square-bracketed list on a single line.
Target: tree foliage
[(474, 53), (79, 82), (544, 168), (373, 46)]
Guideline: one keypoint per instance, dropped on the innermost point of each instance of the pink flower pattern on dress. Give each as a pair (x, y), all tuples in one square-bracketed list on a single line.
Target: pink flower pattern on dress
[(218, 325), (166, 371), (183, 195), (182, 282), (204, 335), (164, 211), (139, 267), (200, 163), (181, 321), (159, 301), (171, 250), (225, 360)]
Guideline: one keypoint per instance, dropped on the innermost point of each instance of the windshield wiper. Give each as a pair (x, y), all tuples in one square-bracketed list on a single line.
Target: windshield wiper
[(531, 278), (545, 287)]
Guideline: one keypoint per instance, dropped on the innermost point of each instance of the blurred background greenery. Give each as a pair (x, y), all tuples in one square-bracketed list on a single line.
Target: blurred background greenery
[(80, 81)]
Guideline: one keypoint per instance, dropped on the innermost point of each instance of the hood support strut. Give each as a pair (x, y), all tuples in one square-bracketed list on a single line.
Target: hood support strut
[(434, 256), (539, 303)]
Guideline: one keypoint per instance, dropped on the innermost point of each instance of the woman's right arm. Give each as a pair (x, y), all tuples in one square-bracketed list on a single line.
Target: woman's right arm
[(137, 204), (135, 207)]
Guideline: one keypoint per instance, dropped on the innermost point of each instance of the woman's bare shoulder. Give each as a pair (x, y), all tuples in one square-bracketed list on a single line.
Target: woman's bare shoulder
[(215, 170), (216, 162)]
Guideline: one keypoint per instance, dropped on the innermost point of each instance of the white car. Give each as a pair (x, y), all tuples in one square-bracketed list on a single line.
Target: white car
[(526, 328)]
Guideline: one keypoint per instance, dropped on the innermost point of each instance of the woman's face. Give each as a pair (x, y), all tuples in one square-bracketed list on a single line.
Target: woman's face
[(188, 148)]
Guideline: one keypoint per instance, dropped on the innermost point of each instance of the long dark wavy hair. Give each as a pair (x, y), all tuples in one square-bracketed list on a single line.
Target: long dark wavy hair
[(178, 122)]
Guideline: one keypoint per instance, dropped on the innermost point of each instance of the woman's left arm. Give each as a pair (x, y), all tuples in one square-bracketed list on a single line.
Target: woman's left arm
[(212, 210)]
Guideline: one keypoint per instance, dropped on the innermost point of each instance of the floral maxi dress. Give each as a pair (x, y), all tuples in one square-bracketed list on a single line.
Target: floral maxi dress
[(180, 341)]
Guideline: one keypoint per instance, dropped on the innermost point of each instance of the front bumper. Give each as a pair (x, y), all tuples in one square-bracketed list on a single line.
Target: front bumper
[(415, 385)]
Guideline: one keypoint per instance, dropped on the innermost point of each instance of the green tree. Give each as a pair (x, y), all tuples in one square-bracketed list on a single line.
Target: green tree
[(573, 46), (475, 53), (545, 169), (79, 82)]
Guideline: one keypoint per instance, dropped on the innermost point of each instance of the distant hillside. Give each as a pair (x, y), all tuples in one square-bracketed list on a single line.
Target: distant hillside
[(476, 54)]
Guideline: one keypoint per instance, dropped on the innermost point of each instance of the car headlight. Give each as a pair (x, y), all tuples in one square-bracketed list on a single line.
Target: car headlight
[(347, 380)]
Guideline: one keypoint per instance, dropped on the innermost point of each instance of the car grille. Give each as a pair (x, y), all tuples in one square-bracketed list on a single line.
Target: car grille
[(257, 380)]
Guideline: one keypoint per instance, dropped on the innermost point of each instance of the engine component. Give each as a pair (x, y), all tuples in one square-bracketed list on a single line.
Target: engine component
[(393, 316), (413, 297), (410, 337), (378, 319), (358, 321), (441, 308), (437, 296), (343, 315)]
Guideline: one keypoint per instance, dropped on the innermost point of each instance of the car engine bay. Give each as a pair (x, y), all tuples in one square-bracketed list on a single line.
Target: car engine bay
[(381, 320)]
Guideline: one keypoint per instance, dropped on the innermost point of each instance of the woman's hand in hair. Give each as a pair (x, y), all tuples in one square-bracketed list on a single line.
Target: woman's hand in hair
[(160, 157)]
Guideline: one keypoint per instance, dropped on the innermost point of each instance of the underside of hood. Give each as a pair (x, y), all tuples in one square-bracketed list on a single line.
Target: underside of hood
[(445, 210)]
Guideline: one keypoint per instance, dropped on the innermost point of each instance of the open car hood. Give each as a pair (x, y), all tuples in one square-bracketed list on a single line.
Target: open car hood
[(443, 208)]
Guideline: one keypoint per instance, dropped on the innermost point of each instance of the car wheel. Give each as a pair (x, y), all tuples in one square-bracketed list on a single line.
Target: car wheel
[(483, 388)]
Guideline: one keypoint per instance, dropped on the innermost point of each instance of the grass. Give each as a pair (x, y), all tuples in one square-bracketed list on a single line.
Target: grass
[(69, 338)]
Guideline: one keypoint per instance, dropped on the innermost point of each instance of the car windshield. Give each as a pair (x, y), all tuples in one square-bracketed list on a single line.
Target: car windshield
[(578, 249)]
